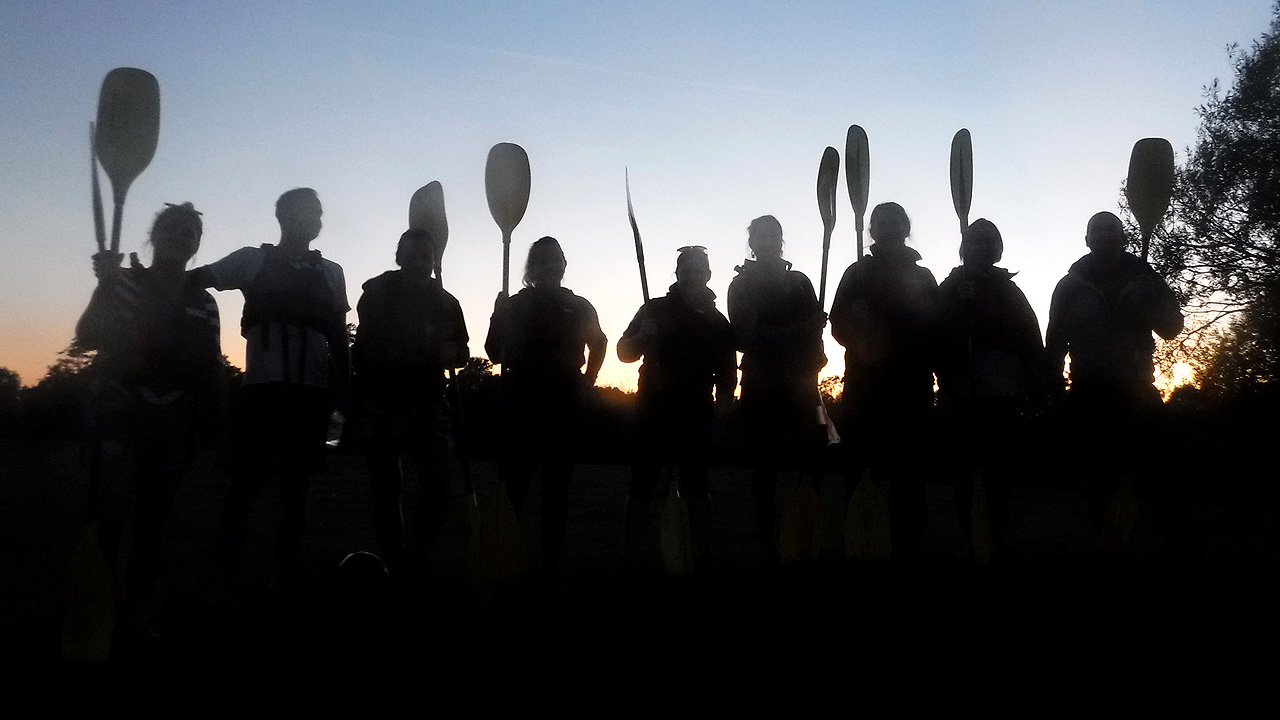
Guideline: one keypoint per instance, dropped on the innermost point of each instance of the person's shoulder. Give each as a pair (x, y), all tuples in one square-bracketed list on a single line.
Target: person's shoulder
[(578, 301), (953, 278), (382, 282)]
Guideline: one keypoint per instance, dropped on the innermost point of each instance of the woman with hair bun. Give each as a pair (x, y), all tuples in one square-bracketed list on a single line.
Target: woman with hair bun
[(777, 324), (158, 373)]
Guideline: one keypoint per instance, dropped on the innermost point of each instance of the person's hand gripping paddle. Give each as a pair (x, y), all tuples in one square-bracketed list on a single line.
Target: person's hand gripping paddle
[(123, 139), (979, 537), (866, 518), (674, 538), (506, 185), (799, 527), (1148, 190)]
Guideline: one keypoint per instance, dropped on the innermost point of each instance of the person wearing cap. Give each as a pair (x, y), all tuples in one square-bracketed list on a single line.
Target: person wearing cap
[(1103, 314), (777, 326), (411, 330), (159, 378), (885, 313), (687, 379), (990, 374), (542, 337)]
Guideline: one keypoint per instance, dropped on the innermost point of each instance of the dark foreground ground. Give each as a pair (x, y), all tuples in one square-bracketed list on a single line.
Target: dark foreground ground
[(1057, 629)]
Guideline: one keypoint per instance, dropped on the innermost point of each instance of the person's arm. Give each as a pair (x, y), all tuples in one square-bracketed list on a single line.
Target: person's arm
[(1056, 340), (338, 340), (495, 340), (845, 310), (597, 343), (455, 351), (636, 338), (232, 272), (1167, 317), (726, 369), (101, 321)]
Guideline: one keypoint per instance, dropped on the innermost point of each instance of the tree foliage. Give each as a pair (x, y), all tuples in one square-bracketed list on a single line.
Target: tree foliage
[(1218, 248)]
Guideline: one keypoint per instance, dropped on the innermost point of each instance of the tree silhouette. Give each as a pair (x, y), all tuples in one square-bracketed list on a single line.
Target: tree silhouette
[(1219, 247)]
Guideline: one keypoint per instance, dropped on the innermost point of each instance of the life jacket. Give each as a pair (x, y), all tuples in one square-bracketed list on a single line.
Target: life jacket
[(292, 290)]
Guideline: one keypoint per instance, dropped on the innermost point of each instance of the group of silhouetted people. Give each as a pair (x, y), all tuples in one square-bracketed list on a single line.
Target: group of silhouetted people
[(156, 332)]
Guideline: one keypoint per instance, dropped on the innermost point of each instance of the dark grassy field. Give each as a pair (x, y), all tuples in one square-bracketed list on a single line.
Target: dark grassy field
[(1159, 627)]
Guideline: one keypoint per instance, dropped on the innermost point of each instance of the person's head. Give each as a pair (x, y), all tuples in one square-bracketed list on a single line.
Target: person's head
[(981, 244), (764, 237), (1105, 235), (298, 212), (546, 263), (416, 251), (693, 269), (175, 233), (889, 223)]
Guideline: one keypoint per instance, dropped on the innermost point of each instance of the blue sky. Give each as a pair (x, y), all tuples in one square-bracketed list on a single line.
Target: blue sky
[(720, 110)]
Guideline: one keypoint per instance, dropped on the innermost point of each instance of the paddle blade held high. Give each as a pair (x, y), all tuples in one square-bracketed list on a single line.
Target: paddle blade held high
[(126, 132), (1150, 185), (857, 170), (635, 232), (962, 176), (426, 212), (828, 177), (506, 186)]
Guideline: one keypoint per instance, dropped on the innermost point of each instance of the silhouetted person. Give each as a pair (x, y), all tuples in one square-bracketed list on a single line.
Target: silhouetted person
[(160, 375), (539, 337), (296, 362), (1102, 315), (777, 324), (410, 331), (990, 373), (885, 315), (688, 352)]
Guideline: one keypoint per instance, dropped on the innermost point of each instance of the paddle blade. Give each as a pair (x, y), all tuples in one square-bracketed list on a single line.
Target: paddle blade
[(828, 176), (857, 170), (128, 126), (867, 535), (506, 184), (1150, 183), (962, 175), (426, 212)]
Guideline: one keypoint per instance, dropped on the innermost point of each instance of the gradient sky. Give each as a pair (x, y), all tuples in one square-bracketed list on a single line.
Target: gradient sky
[(720, 109)]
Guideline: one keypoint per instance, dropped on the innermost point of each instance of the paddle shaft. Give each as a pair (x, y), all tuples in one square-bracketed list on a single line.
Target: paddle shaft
[(99, 225), (826, 251), (635, 232)]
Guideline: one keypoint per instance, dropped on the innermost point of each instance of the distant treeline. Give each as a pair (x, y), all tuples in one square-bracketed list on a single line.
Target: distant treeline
[(1224, 440)]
